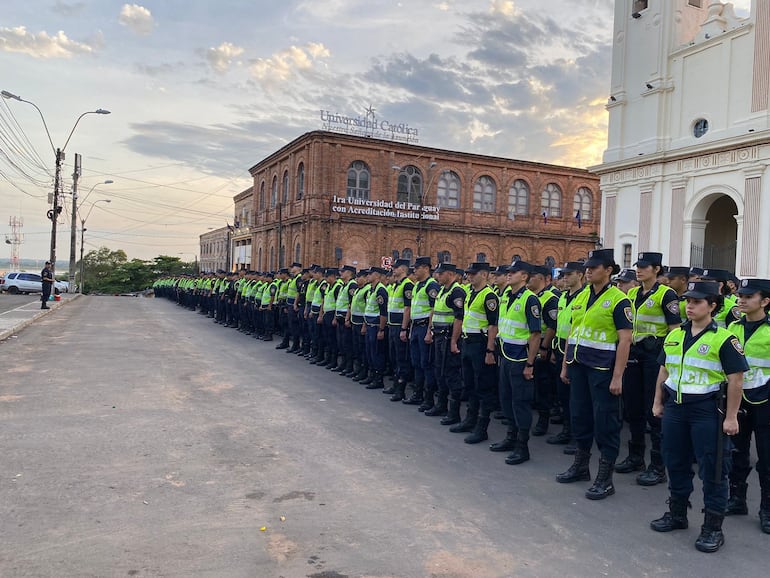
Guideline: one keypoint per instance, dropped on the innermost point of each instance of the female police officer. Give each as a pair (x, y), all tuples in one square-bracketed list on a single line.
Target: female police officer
[(753, 330), (697, 359)]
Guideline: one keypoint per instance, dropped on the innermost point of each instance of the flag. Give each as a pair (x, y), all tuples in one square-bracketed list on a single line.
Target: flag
[(545, 217), (579, 220)]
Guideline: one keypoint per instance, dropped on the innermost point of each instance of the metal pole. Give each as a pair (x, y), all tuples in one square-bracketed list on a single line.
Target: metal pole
[(280, 235), (74, 221)]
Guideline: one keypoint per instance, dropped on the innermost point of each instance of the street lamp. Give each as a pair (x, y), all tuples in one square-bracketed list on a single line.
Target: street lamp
[(74, 226), (423, 192), (59, 153), (82, 235)]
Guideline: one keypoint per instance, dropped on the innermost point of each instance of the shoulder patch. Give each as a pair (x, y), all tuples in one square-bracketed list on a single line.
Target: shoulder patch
[(553, 314), (380, 299), (491, 304), (408, 293), (673, 307), (737, 345), (735, 312), (432, 293), (535, 310), (459, 303), (629, 315)]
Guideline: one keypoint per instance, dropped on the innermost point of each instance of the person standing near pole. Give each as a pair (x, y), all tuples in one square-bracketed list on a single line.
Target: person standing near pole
[(753, 331), (47, 281), (399, 315), (597, 353), (698, 396)]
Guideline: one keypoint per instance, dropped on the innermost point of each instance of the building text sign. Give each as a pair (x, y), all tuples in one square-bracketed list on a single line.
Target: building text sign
[(369, 125), (390, 209)]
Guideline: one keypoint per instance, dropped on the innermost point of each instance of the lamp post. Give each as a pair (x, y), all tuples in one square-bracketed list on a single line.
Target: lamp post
[(74, 227), (82, 236), (423, 192), (59, 154)]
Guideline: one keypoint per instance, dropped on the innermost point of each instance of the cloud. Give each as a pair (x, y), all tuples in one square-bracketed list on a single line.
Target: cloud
[(137, 18), (65, 9), (221, 57), (286, 64), (158, 70), (41, 45)]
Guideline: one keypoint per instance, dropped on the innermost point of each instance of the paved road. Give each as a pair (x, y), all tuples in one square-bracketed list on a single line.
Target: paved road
[(140, 439)]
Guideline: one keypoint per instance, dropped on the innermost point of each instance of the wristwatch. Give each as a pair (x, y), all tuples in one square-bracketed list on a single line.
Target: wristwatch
[(490, 350), (530, 365)]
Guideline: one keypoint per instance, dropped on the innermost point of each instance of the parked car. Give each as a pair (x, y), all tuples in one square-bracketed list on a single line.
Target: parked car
[(23, 282)]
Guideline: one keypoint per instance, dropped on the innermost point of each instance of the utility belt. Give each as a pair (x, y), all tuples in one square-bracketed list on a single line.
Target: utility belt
[(475, 337), (650, 345), (291, 301), (420, 322), (372, 323), (442, 330), (315, 309)]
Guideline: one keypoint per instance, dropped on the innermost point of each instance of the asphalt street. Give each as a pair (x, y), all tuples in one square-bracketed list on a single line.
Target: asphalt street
[(141, 439)]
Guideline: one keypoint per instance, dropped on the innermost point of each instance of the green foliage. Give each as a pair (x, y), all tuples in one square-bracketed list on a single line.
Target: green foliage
[(109, 271)]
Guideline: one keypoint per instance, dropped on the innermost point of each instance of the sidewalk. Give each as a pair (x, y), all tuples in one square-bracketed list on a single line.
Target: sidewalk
[(14, 320)]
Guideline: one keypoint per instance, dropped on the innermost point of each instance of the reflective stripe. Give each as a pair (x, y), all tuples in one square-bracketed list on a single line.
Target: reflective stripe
[(598, 345), (697, 389), (512, 341), (758, 362)]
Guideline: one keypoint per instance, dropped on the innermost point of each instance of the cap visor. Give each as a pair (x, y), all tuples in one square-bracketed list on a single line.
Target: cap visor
[(696, 295), (747, 291)]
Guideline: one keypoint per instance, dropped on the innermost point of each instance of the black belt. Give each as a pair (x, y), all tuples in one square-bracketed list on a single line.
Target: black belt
[(475, 338), (420, 322), (442, 330)]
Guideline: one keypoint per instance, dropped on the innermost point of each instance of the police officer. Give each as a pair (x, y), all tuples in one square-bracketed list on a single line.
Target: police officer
[(446, 329), (729, 311), (316, 305), (47, 279), (573, 274), (420, 339), (289, 293), (678, 277), (311, 342), (753, 331), (478, 353), (697, 360), (356, 319), (546, 373), (342, 308), (375, 318), (655, 308), (327, 316), (519, 336), (626, 280), (597, 352), (399, 316)]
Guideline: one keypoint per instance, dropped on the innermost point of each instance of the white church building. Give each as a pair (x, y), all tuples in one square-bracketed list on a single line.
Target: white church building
[(686, 167)]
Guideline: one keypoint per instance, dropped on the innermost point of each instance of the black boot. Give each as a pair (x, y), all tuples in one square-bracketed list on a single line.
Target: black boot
[(340, 365), (578, 471), (349, 370), (367, 380), (398, 391), (603, 486), (561, 438), (656, 471), (362, 373), (392, 388), (479, 433), (764, 505), (440, 408), (507, 445), (675, 518), (541, 427), (429, 399), (711, 538), (330, 360), (453, 415), (416, 397), (635, 460), (736, 504), (521, 452), (376, 382), (467, 424)]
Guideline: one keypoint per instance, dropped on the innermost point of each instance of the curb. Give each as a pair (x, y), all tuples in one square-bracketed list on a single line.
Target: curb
[(20, 326)]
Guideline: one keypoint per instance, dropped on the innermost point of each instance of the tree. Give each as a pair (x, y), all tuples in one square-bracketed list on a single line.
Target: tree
[(109, 271)]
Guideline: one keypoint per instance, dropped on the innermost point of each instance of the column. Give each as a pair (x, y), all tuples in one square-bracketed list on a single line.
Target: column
[(677, 224), (748, 252), (645, 216), (608, 223)]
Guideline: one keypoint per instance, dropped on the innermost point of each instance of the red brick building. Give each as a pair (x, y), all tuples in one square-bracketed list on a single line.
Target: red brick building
[(332, 198)]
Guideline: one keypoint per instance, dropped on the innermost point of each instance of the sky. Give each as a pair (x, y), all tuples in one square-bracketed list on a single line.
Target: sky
[(201, 90)]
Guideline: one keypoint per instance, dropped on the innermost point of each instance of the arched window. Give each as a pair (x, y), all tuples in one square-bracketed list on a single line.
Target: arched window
[(259, 259), (448, 194), (274, 193), (300, 181), (297, 254), (272, 258), (409, 185), (518, 199), (550, 200), (282, 256), (359, 181), (285, 192), (584, 201), (407, 254), (262, 196), (481, 257), (444, 257), (484, 195), (515, 258), (550, 262)]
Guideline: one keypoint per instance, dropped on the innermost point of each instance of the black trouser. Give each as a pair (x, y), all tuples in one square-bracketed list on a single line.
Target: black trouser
[(268, 321), (344, 338), (595, 411), (293, 324), (399, 353), (329, 334), (447, 366), (516, 393), (479, 379), (753, 418), (545, 384), (562, 388), (639, 382), (46, 292), (358, 344)]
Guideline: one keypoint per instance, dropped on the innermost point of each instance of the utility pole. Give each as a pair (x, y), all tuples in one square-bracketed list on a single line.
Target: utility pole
[(53, 214), (74, 225)]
